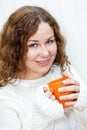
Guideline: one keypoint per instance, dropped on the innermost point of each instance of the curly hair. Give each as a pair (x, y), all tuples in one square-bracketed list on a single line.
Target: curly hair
[(22, 24)]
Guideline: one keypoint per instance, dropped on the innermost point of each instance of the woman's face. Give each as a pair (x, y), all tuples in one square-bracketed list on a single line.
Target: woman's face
[(41, 52)]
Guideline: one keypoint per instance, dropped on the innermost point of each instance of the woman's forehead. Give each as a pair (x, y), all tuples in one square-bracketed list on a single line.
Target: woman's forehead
[(44, 30)]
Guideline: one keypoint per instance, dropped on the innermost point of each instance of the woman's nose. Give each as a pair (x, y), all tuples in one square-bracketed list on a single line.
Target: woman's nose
[(44, 51)]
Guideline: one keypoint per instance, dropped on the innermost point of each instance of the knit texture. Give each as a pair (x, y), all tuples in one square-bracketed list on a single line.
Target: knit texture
[(24, 106)]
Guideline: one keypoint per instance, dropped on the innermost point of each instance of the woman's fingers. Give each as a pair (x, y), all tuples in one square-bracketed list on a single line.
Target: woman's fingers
[(73, 96), (45, 89), (70, 84), (49, 94), (70, 104), (70, 81), (71, 88), (53, 98)]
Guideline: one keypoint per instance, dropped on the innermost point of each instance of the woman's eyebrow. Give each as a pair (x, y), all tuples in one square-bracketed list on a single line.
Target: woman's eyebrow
[(33, 40), (38, 40), (50, 37)]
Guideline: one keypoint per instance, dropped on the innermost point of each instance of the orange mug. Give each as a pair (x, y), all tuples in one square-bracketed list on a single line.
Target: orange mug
[(54, 85)]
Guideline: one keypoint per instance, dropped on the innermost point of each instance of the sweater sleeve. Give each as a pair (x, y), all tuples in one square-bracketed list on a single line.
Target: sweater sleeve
[(80, 108), (8, 117), (46, 110)]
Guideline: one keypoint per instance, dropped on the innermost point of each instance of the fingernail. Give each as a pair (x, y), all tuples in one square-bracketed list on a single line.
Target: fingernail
[(61, 97), (64, 82), (60, 90)]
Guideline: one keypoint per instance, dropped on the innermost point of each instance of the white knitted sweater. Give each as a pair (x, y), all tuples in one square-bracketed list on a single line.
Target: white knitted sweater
[(24, 106)]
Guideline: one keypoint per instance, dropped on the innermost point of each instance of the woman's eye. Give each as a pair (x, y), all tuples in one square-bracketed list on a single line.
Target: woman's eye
[(50, 41), (33, 45)]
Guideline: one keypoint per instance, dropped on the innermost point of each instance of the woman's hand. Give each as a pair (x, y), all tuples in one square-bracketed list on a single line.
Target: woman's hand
[(49, 94), (73, 86)]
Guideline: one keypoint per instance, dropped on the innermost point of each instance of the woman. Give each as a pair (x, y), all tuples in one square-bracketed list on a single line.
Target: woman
[(32, 53)]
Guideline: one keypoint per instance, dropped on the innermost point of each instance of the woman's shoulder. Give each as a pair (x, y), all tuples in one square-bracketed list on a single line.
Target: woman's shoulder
[(69, 70)]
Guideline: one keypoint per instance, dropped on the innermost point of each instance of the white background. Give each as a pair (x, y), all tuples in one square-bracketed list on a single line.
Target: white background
[(72, 17)]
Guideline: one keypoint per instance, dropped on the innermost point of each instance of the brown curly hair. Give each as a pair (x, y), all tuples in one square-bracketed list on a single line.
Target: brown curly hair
[(22, 24)]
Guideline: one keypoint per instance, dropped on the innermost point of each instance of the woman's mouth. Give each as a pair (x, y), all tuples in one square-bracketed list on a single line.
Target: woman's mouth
[(43, 63)]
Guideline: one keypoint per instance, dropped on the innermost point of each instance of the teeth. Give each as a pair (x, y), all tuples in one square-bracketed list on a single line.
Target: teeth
[(42, 61)]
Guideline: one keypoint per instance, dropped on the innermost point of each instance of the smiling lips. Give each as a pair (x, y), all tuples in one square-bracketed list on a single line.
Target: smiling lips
[(43, 63)]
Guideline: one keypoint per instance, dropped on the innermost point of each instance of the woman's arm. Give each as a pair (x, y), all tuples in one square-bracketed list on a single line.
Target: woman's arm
[(9, 118), (46, 110), (80, 108)]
